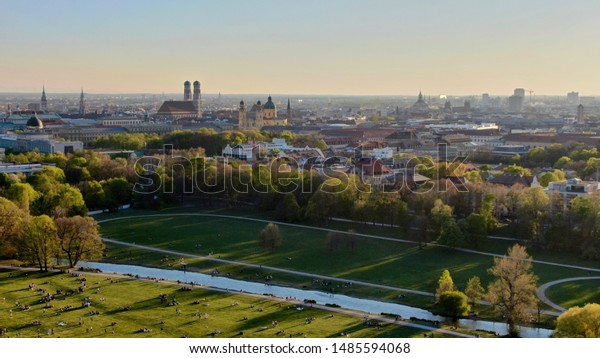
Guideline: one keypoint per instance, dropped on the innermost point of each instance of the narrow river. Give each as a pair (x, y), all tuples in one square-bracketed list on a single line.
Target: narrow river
[(359, 304)]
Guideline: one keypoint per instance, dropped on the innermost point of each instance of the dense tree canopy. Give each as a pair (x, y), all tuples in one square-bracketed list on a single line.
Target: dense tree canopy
[(579, 322)]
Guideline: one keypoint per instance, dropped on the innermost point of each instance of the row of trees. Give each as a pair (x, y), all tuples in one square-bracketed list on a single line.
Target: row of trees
[(512, 292), (42, 217), (209, 139), (41, 239), (455, 216)]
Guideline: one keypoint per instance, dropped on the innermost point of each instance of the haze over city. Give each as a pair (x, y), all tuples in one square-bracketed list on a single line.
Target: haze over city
[(307, 47)]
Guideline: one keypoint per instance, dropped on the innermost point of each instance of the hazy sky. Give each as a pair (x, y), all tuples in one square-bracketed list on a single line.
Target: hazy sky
[(301, 47)]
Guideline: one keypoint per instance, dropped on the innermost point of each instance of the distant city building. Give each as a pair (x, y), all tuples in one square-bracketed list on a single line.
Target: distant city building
[(573, 98), (44, 102), (27, 169), (520, 92), (571, 189), (190, 107), (510, 179), (81, 104), (33, 140), (515, 102), (580, 117), (420, 108), (485, 100), (261, 115), (34, 107), (118, 121)]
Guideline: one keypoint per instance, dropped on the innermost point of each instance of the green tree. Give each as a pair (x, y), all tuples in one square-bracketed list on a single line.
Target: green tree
[(548, 177), (93, 194), (39, 241), (513, 291), (475, 229), (533, 206), (515, 169), (288, 209), (474, 290), (11, 221), (440, 213), (450, 234), (79, 238), (562, 162), (454, 304), (118, 190), (270, 237), (579, 322), (445, 283), (23, 195)]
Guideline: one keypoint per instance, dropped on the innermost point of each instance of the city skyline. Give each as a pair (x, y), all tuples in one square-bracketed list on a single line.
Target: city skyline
[(335, 48)]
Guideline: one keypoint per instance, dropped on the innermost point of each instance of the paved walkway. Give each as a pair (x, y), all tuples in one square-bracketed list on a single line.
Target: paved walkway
[(279, 299), (541, 292)]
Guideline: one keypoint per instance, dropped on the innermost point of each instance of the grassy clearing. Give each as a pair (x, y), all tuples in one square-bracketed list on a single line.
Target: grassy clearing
[(575, 293), (390, 263), (225, 313)]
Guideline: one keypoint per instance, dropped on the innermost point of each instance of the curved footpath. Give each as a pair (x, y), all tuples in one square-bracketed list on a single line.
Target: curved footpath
[(279, 299), (541, 292)]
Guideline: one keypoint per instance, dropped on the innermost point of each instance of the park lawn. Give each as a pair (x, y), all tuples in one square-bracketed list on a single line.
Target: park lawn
[(225, 311), (494, 246), (575, 293), (390, 263)]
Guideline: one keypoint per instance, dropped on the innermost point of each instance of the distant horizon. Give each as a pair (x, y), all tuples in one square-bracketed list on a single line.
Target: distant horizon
[(49, 93)]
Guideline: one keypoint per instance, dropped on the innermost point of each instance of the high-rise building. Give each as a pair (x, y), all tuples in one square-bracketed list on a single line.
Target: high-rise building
[(44, 102), (580, 117), (81, 104), (515, 102), (573, 97), (485, 100), (520, 92)]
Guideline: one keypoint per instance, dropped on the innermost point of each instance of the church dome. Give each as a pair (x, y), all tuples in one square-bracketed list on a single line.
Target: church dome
[(420, 106), (269, 104), (196, 83), (34, 122), (186, 83)]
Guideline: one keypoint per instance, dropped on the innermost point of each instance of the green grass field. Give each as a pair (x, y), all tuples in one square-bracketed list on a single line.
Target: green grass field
[(576, 293), (303, 249), (200, 312)]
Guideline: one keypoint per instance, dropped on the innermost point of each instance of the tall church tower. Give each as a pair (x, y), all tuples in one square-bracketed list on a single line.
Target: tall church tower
[(243, 124), (258, 120), (289, 112), (44, 104), (187, 91), (81, 104), (197, 99)]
